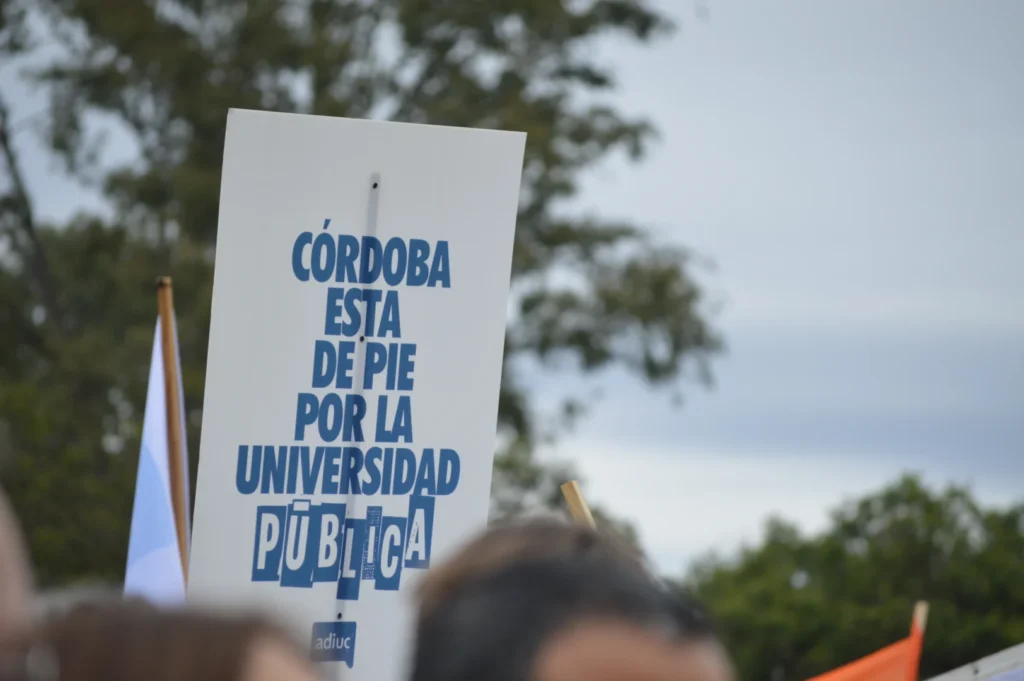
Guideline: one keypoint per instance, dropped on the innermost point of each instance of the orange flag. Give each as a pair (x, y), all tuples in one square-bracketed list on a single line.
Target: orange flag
[(897, 662)]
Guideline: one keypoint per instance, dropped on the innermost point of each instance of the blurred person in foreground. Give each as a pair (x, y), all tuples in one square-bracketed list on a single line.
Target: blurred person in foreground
[(129, 640), (15, 575), (562, 617), (519, 540)]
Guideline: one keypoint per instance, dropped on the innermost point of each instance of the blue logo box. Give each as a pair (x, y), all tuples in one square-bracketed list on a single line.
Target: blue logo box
[(334, 642)]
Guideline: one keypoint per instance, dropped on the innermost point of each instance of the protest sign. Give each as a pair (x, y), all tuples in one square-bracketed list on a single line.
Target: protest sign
[(359, 303)]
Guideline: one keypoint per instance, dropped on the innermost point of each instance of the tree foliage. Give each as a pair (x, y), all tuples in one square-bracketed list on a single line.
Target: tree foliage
[(797, 606), (76, 300)]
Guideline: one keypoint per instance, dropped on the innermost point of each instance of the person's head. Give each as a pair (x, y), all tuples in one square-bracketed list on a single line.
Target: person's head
[(557, 618), (15, 575), (127, 641), (499, 545), (48, 604)]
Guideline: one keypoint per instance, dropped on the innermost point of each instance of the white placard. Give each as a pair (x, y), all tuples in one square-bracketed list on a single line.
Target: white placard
[(359, 303)]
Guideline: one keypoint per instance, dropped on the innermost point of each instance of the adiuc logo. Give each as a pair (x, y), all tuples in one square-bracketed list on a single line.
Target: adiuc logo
[(334, 642)]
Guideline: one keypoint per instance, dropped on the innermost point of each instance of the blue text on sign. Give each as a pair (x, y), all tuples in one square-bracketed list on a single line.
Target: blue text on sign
[(302, 543)]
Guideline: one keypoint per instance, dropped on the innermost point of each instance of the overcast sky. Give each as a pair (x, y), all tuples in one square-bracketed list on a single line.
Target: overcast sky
[(856, 171)]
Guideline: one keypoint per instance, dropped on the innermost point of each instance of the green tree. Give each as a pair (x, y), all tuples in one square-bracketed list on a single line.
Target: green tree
[(797, 606), (76, 300)]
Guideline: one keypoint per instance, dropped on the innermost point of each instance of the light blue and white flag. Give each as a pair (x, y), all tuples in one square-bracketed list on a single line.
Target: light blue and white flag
[(154, 563)]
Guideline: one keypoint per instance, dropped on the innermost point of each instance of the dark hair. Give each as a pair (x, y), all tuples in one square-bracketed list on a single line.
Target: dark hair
[(513, 541), (127, 641), (492, 628)]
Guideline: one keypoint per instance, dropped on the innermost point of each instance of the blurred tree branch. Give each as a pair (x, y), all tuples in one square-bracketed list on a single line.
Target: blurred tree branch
[(19, 218)]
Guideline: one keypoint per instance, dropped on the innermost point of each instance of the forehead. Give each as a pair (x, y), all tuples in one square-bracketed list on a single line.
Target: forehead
[(612, 651)]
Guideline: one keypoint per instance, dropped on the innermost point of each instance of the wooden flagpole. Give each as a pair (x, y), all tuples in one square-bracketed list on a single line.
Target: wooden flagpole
[(578, 508), (920, 615), (917, 628), (176, 465)]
